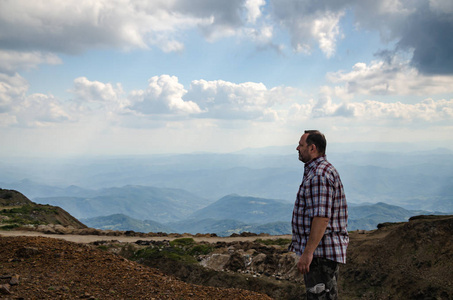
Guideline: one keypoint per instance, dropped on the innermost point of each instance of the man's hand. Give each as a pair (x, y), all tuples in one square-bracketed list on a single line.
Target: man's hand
[(303, 265), (318, 228)]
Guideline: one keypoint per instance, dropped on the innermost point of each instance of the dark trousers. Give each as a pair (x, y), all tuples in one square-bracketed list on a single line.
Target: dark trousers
[(321, 281)]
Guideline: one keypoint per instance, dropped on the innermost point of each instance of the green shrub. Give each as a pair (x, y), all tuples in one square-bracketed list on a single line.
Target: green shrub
[(172, 253), (184, 250), (8, 227), (200, 250), (182, 242), (103, 247)]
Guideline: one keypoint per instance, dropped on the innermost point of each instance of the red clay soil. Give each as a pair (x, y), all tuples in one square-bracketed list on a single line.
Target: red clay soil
[(46, 268)]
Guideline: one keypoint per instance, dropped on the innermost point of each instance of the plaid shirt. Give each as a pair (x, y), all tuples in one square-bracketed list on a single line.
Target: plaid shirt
[(321, 194)]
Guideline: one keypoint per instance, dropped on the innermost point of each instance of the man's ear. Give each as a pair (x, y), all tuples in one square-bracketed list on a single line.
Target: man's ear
[(313, 148)]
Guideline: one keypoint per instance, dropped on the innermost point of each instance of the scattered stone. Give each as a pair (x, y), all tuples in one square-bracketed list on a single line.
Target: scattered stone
[(26, 252), (14, 279), (4, 289)]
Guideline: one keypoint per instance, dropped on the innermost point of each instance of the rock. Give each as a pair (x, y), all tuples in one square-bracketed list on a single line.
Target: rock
[(14, 279), (63, 230), (4, 289), (235, 263), (26, 252), (215, 261), (88, 231)]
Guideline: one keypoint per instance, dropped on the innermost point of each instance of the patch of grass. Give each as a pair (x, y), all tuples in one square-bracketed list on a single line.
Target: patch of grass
[(29, 209), (103, 247), (27, 214), (183, 250), (9, 227), (176, 254), (200, 249), (182, 242)]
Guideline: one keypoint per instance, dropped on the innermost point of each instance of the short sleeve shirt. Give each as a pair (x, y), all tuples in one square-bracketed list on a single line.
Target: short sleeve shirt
[(321, 194)]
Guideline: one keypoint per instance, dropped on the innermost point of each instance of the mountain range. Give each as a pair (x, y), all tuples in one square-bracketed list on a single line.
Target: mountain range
[(237, 214), (186, 192), (141, 202), (412, 180)]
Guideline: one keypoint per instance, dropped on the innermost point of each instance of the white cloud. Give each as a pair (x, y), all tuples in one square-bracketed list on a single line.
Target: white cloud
[(309, 24), (19, 109), (99, 96), (372, 111), (12, 90), (390, 78), (73, 26), (253, 9), (11, 61), (38, 110), (164, 95), (249, 100), (427, 110)]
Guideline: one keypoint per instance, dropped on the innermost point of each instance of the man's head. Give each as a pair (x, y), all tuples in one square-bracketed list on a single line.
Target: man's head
[(312, 144)]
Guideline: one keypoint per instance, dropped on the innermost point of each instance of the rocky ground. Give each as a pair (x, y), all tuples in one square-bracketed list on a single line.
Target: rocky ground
[(409, 260), (48, 268)]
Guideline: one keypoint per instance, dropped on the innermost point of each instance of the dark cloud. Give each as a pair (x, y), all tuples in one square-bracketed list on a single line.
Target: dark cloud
[(430, 35), (225, 14)]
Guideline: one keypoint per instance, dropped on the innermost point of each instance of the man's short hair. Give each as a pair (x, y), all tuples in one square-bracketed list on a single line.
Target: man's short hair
[(315, 137)]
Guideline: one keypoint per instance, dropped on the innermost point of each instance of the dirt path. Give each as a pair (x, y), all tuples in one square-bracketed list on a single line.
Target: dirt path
[(131, 239)]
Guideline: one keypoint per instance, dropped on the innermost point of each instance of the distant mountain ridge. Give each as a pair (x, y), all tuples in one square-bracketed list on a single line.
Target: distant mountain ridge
[(413, 180), (237, 214), (246, 209), (122, 222), (140, 202)]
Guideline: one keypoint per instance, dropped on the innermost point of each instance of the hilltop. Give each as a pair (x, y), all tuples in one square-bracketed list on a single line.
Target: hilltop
[(17, 210), (407, 260)]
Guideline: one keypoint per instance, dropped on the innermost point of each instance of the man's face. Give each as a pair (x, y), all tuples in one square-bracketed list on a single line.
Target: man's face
[(302, 148)]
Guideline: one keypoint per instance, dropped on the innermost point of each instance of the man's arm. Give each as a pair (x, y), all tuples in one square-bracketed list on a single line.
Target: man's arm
[(318, 228)]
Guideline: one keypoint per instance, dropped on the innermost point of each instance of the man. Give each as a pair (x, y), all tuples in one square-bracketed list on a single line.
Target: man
[(319, 219)]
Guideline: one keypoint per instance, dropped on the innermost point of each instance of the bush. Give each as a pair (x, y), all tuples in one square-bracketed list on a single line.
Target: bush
[(9, 227), (184, 250), (200, 250), (183, 242)]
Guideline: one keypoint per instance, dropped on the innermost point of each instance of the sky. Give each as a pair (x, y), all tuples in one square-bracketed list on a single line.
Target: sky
[(116, 77)]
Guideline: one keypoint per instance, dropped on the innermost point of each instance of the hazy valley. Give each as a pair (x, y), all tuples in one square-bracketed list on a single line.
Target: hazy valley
[(252, 190)]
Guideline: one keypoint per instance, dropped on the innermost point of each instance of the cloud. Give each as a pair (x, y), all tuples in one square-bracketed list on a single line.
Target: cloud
[(166, 98), (369, 111), (247, 101), (309, 24), (73, 26), (12, 61), (253, 8), (12, 90), (98, 95), (164, 95), (427, 110), (428, 33), (396, 77), (38, 110), (422, 28), (35, 110)]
